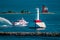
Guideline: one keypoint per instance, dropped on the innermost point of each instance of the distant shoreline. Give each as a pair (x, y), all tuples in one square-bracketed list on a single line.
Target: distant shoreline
[(28, 13)]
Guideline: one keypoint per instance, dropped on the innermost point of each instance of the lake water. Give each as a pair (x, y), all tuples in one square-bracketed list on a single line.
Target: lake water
[(52, 21)]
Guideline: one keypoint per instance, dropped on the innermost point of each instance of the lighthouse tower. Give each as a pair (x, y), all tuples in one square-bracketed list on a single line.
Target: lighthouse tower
[(38, 21), (44, 9)]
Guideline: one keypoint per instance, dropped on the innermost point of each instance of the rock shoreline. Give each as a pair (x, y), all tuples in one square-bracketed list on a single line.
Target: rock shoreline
[(47, 34)]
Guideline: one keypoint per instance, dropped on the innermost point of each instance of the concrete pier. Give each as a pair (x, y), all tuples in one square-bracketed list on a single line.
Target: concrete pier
[(47, 34)]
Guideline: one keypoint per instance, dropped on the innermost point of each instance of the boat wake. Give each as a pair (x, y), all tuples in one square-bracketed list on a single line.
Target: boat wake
[(4, 22)]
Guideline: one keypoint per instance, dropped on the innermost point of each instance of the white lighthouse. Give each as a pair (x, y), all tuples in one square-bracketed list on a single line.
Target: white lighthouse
[(38, 21)]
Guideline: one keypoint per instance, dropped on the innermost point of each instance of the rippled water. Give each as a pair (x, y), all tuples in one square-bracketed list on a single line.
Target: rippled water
[(52, 20)]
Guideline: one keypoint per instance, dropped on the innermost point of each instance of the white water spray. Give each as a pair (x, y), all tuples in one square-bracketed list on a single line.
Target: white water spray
[(3, 19)]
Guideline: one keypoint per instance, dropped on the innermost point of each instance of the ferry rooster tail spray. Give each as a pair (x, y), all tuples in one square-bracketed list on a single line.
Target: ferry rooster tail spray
[(44, 9)]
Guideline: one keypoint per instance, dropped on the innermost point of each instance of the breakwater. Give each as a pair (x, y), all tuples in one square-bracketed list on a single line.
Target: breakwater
[(47, 34)]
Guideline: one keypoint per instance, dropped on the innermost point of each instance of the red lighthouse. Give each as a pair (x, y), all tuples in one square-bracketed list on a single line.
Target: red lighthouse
[(44, 9)]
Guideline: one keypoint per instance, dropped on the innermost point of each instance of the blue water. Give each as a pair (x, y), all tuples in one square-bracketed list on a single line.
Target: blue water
[(52, 20), (28, 38)]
